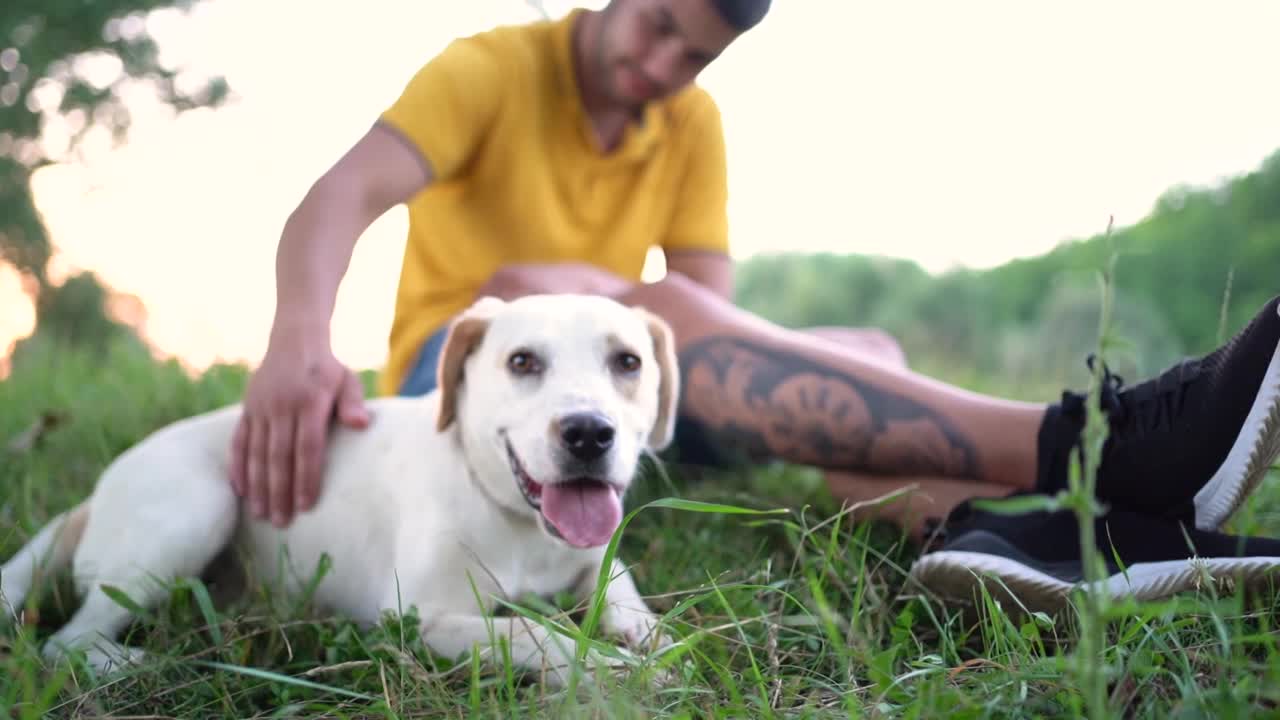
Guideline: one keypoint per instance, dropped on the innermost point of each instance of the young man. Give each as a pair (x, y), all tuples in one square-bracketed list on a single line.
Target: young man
[(549, 158)]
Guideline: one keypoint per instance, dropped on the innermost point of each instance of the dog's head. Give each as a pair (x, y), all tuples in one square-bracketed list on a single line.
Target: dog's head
[(556, 397)]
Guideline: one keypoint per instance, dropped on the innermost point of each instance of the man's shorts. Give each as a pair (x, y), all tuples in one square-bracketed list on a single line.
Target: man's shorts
[(421, 378), (692, 444)]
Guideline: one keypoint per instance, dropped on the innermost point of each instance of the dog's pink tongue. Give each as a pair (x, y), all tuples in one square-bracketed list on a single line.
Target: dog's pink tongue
[(586, 513)]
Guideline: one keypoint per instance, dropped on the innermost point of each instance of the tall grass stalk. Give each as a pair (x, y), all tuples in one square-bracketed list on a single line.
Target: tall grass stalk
[(1081, 497), (1226, 303)]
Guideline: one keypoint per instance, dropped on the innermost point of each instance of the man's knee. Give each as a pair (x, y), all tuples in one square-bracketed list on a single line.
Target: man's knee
[(873, 341), (885, 345), (684, 303), (677, 291)]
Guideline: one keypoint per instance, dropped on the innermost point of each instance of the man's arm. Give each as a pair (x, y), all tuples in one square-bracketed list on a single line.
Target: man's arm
[(696, 244), (278, 446), (424, 137), (709, 268), (377, 173)]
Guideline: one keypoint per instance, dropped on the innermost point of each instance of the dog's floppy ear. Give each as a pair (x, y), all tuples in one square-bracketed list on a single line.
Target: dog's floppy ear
[(664, 350), (465, 334)]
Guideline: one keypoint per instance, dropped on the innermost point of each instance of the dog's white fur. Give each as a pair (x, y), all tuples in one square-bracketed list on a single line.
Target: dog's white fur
[(421, 509)]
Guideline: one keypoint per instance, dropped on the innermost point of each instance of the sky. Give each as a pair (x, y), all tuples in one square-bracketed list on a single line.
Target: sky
[(952, 134)]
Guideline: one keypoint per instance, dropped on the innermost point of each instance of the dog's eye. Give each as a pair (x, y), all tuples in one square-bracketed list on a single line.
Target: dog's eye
[(626, 362), (523, 362)]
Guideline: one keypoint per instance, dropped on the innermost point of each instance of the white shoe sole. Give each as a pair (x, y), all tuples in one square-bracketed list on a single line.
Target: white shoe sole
[(1256, 447), (956, 574)]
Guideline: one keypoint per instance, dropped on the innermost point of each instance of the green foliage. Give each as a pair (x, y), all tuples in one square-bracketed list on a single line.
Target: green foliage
[(1028, 323), (72, 315), (824, 288), (1067, 324), (48, 53), (72, 60)]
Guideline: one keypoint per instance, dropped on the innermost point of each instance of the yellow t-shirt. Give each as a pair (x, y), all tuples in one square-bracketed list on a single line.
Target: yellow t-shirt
[(519, 177)]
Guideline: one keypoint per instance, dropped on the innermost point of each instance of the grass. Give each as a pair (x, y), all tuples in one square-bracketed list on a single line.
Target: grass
[(801, 614)]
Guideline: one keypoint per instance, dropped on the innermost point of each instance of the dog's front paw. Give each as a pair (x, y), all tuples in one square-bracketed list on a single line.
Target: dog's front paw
[(637, 628), (105, 658), (595, 664)]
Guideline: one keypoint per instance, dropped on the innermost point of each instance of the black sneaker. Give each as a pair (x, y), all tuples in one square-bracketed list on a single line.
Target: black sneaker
[(1036, 556), (1190, 444)]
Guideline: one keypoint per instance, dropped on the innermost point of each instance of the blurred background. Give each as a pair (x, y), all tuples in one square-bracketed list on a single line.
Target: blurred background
[(945, 171)]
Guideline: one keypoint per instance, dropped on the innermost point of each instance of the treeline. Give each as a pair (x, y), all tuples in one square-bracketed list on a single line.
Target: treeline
[(44, 44), (1027, 325)]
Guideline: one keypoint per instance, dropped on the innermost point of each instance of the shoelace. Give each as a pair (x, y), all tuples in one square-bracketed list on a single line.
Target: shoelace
[(1112, 384), (1146, 407)]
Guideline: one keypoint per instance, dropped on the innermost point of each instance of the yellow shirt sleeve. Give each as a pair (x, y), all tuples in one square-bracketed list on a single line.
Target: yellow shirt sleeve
[(449, 104), (700, 220)]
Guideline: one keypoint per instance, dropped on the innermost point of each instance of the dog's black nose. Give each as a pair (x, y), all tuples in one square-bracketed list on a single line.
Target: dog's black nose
[(587, 435)]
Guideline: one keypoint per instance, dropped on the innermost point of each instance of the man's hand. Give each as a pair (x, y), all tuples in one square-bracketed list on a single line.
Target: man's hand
[(518, 280), (278, 452)]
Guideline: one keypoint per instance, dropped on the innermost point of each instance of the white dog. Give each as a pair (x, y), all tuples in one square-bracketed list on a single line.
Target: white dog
[(507, 480)]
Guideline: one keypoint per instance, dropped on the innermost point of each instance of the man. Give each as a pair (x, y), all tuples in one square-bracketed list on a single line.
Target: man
[(549, 158)]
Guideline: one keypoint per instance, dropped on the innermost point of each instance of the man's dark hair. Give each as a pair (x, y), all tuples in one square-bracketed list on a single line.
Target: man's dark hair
[(742, 14)]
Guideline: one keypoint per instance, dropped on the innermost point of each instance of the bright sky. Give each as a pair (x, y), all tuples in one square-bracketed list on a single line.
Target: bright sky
[(948, 133)]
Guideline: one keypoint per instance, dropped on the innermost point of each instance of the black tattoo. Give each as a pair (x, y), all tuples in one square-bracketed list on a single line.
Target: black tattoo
[(770, 403)]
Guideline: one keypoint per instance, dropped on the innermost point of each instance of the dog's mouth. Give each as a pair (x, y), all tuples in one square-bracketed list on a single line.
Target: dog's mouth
[(582, 511), (530, 488)]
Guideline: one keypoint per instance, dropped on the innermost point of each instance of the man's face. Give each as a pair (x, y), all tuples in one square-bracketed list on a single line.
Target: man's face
[(651, 48)]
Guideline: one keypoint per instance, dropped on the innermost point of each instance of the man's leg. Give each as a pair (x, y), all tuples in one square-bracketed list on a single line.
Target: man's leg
[(911, 503), (1189, 444), (796, 396)]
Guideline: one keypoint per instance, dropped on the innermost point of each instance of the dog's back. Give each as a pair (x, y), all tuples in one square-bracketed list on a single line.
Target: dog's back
[(166, 506)]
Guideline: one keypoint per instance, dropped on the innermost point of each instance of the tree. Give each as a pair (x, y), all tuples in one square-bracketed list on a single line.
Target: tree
[(51, 55)]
